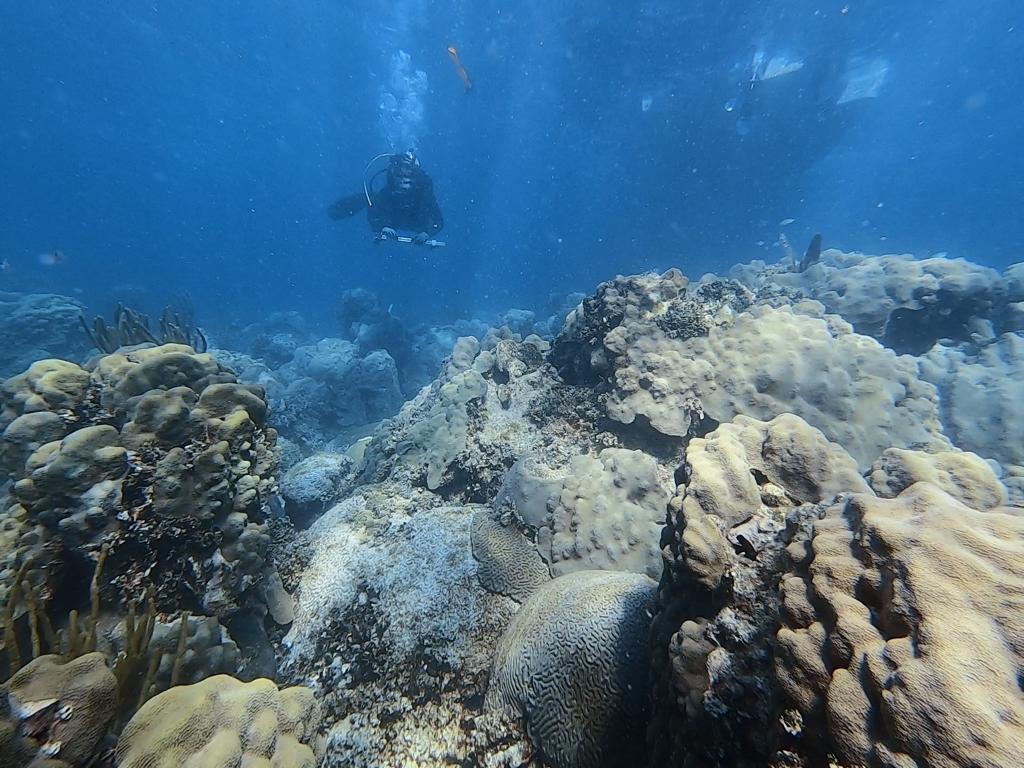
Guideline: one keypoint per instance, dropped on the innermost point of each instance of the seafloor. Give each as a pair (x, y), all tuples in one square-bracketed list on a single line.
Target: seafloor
[(767, 519)]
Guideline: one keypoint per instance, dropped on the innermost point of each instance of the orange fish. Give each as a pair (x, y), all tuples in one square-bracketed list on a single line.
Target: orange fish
[(459, 69)]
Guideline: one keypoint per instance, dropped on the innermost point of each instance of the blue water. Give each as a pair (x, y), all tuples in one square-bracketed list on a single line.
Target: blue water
[(191, 147)]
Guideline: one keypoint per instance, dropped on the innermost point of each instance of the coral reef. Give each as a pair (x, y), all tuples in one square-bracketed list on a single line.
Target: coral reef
[(69, 704), (982, 393), (154, 463), (903, 632), (604, 512), (222, 722), (710, 523), (965, 476), (670, 368), (36, 326), (329, 388), (573, 664), (508, 563), (313, 484), (908, 304)]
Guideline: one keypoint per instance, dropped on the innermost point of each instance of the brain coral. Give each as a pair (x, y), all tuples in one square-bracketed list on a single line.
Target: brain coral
[(82, 693), (158, 455), (769, 361), (222, 722), (573, 664), (903, 632), (509, 563)]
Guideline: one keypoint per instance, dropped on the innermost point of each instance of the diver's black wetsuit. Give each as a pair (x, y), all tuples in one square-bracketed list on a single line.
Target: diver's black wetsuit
[(406, 201)]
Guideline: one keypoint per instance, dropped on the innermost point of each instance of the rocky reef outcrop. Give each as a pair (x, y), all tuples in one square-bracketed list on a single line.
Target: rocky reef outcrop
[(702, 435), (713, 523)]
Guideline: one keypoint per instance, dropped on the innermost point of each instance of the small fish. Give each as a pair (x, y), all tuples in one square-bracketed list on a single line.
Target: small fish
[(786, 222), (5, 266), (459, 69), (52, 259)]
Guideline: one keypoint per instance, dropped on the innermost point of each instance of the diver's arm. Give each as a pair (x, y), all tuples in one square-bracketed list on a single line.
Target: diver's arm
[(346, 207), (377, 215)]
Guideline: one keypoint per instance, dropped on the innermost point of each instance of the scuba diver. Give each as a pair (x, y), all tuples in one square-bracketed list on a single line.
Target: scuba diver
[(406, 202)]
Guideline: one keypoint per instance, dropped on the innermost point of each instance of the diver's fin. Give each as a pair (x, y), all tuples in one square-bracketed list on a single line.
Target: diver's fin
[(347, 207), (813, 254)]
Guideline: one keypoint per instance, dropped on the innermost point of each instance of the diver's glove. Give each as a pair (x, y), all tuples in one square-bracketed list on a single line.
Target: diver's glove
[(387, 233), (420, 238)]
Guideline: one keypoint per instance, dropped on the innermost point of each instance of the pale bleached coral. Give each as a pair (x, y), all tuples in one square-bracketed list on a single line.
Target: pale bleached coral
[(906, 303), (420, 569), (601, 512), (982, 392)]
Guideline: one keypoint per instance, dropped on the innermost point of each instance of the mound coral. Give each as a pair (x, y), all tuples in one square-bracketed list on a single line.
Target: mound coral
[(908, 304), (573, 664), (223, 722), (760, 363), (70, 704), (599, 513), (904, 632), (157, 455), (982, 393)]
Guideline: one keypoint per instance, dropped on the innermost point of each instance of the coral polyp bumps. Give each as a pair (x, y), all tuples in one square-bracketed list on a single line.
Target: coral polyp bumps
[(157, 455)]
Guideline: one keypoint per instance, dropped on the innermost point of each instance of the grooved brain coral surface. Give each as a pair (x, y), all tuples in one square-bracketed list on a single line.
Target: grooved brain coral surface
[(903, 637), (84, 686), (509, 563), (573, 662), (769, 361), (222, 722)]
